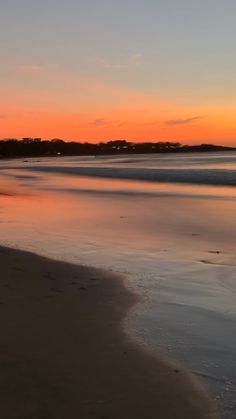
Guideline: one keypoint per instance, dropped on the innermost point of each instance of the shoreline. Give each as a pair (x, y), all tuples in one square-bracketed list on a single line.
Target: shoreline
[(65, 354)]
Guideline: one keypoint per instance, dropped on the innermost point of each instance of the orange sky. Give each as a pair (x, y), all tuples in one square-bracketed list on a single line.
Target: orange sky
[(87, 110), (133, 123), (131, 126)]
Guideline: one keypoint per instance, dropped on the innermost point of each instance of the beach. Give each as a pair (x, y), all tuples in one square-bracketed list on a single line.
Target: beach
[(64, 352), (167, 250)]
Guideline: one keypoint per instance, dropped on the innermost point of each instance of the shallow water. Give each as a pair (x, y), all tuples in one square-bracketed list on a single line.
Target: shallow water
[(196, 168), (175, 241)]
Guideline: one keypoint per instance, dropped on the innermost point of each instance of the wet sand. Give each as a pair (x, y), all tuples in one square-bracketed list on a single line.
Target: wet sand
[(64, 353)]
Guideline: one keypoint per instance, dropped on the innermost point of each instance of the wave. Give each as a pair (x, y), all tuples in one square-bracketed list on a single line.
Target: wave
[(219, 177), (141, 193)]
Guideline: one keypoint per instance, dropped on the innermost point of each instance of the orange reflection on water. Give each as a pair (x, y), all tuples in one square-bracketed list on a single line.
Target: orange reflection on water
[(58, 212)]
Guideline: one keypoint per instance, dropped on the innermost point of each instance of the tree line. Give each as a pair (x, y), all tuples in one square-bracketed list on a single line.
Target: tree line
[(36, 147)]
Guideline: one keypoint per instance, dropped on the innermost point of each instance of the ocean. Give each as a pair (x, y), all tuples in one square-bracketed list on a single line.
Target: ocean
[(165, 221)]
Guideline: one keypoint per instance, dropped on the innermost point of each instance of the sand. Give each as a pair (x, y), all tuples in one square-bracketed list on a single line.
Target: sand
[(64, 352)]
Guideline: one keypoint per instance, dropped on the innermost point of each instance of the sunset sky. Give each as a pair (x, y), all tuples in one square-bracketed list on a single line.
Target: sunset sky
[(110, 69)]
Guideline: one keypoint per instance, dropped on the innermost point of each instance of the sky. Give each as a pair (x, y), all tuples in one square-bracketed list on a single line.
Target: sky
[(140, 70)]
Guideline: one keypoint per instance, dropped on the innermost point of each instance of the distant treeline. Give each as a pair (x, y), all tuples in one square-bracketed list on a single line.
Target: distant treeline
[(36, 147)]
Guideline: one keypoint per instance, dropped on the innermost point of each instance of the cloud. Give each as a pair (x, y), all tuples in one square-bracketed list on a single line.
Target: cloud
[(116, 66), (2, 116), (182, 121), (31, 68), (138, 124), (99, 122), (133, 61)]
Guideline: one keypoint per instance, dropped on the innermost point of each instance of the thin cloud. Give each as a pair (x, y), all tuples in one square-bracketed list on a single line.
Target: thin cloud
[(133, 61), (31, 68), (182, 121), (140, 124), (99, 122), (115, 66)]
